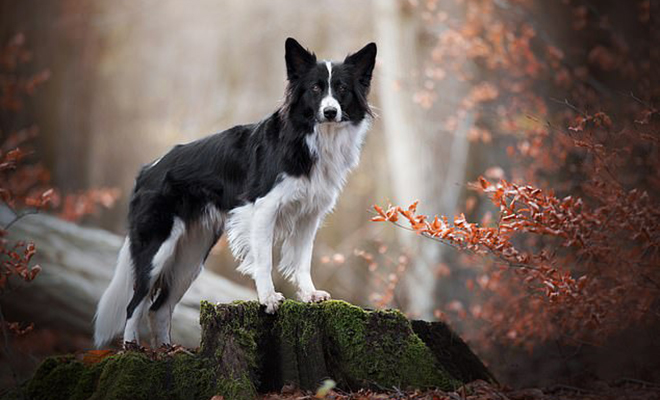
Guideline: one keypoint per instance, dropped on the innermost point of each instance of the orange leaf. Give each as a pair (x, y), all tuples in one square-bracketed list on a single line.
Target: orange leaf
[(379, 210), (95, 356), (484, 183), (32, 202), (47, 196)]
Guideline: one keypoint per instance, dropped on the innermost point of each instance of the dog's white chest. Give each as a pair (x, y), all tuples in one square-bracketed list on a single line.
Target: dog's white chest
[(336, 148)]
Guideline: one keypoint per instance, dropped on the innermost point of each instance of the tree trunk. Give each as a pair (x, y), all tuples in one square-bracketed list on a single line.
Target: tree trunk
[(78, 264), (427, 162), (245, 351)]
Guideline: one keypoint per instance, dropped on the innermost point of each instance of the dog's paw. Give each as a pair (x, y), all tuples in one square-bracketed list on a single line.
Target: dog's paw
[(132, 345), (314, 296), (272, 302)]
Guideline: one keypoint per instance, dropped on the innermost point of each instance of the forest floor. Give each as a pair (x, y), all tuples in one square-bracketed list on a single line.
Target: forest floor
[(628, 389)]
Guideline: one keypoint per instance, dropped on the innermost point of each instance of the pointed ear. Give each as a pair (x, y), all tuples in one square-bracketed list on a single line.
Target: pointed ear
[(298, 59), (363, 61)]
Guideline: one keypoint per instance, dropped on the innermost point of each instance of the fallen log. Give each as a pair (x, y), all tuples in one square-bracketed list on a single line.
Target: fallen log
[(245, 351), (77, 265)]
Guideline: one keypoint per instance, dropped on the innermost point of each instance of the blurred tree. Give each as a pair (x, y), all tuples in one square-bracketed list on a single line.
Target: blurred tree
[(426, 161)]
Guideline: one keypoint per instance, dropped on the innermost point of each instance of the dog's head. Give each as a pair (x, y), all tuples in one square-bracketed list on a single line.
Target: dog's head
[(327, 92)]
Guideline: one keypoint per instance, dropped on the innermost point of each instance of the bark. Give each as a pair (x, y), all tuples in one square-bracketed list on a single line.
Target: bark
[(245, 351), (78, 263)]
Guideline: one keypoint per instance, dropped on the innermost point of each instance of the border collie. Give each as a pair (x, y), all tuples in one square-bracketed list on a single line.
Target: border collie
[(263, 183)]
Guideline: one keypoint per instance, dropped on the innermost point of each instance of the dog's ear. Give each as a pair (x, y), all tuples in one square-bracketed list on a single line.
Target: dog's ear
[(363, 61), (298, 59)]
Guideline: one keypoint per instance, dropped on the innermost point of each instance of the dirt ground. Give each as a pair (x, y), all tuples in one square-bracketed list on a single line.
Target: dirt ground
[(628, 389)]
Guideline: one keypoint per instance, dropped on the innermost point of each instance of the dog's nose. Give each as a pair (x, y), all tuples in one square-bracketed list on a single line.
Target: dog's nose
[(329, 113)]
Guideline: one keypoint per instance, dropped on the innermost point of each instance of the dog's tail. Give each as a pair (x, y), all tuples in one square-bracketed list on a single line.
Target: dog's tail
[(110, 317)]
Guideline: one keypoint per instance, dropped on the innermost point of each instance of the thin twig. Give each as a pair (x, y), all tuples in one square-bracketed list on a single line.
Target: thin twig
[(569, 105), (637, 381), (561, 387), (637, 99), (581, 342), (18, 216)]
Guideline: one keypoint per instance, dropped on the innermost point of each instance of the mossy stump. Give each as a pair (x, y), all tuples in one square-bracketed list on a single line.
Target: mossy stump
[(245, 351)]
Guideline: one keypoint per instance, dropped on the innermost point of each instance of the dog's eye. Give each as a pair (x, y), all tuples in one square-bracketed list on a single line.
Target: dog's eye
[(316, 89), (342, 88)]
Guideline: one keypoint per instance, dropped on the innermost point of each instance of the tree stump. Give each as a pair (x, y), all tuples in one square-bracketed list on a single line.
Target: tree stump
[(245, 351)]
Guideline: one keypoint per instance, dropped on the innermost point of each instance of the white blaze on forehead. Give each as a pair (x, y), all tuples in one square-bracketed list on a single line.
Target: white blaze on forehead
[(328, 65), (329, 100)]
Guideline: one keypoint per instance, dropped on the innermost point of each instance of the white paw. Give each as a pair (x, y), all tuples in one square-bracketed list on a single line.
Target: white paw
[(272, 302), (314, 296)]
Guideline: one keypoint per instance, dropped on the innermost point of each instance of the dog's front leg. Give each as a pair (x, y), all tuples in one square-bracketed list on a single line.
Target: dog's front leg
[(261, 249), (297, 253)]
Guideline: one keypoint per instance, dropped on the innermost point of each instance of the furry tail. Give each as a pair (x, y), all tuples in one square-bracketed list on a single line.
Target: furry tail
[(110, 315)]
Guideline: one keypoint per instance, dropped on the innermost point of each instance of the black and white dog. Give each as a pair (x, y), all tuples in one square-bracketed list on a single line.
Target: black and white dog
[(264, 182)]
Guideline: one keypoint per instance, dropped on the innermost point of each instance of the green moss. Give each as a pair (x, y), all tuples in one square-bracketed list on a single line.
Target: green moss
[(389, 353), (197, 378), (135, 376), (232, 338), (248, 313), (55, 379), (370, 348), (417, 364), (193, 377), (131, 375), (298, 323), (207, 313), (240, 388), (88, 381), (346, 323)]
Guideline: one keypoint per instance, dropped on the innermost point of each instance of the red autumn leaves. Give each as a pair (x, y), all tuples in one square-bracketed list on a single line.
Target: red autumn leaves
[(590, 275)]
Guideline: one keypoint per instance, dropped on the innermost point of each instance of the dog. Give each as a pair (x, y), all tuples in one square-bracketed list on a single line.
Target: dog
[(268, 182)]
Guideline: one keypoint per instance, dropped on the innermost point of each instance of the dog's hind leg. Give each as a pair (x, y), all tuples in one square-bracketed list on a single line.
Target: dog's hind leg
[(191, 252), (160, 312), (131, 331), (150, 258)]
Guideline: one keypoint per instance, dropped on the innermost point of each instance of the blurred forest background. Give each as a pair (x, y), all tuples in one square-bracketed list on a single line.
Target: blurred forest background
[(556, 94)]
